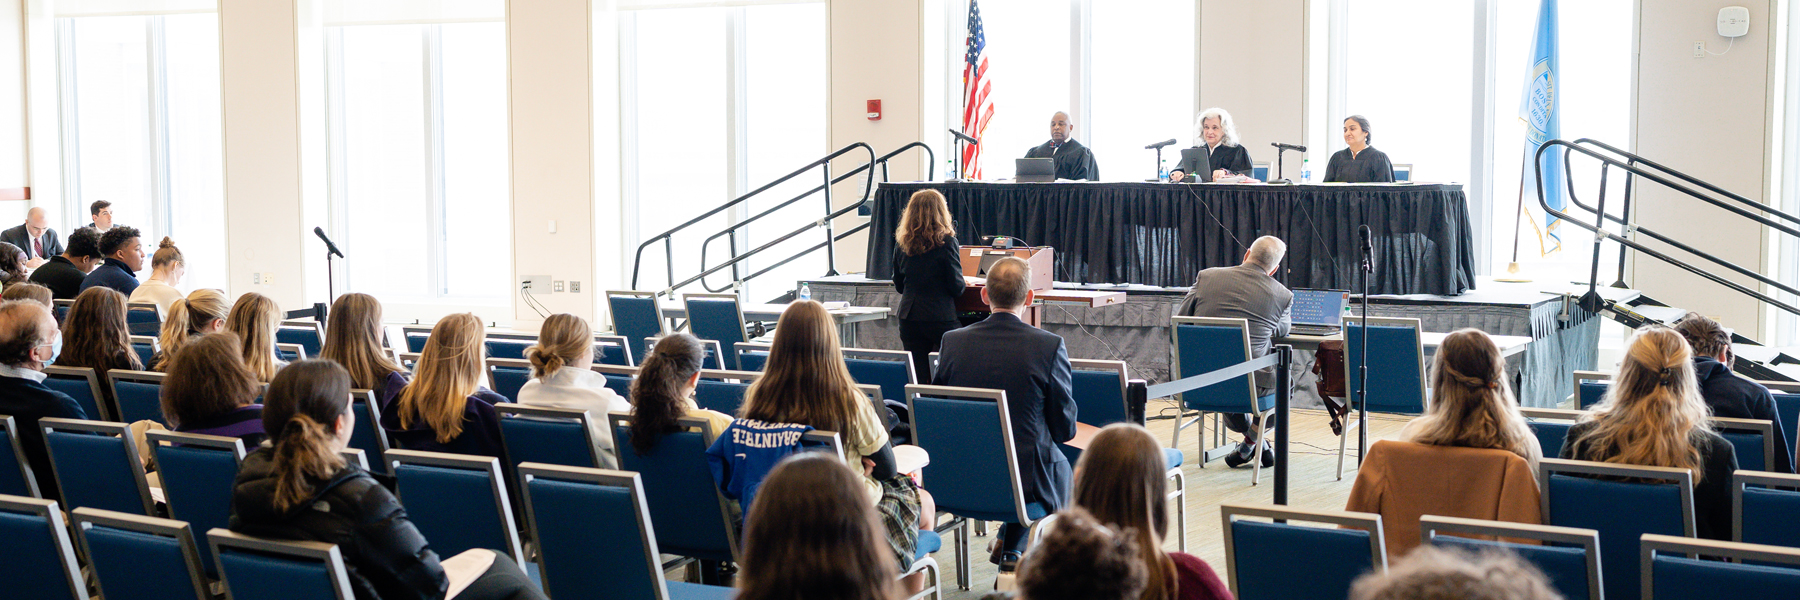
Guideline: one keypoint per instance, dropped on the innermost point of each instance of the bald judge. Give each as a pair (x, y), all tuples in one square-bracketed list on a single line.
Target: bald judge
[(1073, 160)]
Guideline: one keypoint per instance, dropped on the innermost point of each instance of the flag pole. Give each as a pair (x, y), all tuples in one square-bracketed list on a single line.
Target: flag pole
[(1512, 268)]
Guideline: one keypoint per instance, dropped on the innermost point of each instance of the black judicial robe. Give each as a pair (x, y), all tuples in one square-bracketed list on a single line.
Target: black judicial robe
[(1368, 166), (1231, 158), (1073, 160)]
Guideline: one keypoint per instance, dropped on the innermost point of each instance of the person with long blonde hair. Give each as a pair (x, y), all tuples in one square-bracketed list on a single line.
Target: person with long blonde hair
[(353, 341), (167, 267), (445, 408), (254, 318), (202, 312), (95, 334), (561, 378), (1652, 415), (1122, 479), (1472, 405), (928, 275)]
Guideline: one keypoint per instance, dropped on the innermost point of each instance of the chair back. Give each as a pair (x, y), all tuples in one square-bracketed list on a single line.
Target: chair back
[(552, 436), (308, 335), (613, 350), (618, 379), (723, 391), (1590, 387), (678, 481), (146, 347), (367, 434), (1403, 172), (139, 557), (636, 317), (508, 347), (457, 501), (198, 472), (1337, 555), (143, 318), (890, 369), (138, 395), (978, 474), (1206, 344), (16, 476), (1550, 426), (1787, 408), (97, 465), (40, 561), (1099, 387), (720, 318), (752, 356), (1763, 506), (259, 568), (713, 360), (62, 306), (1753, 440), (82, 384), (570, 508), (1397, 386), (1570, 557), (1630, 502), (506, 376), (415, 336), (290, 352), (1260, 170), (1674, 567)]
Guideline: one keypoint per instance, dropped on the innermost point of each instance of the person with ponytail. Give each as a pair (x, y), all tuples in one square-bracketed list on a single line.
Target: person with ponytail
[(1122, 479), (663, 391), (353, 340), (1653, 415), (210, 391), (95, 334), (200, 313), (561, 378), (296, 486), (445, 408), (1472, 404), (166, 269), (254, 318)]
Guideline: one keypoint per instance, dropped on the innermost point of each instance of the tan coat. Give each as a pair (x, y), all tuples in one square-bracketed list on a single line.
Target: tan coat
[(1402, 481)]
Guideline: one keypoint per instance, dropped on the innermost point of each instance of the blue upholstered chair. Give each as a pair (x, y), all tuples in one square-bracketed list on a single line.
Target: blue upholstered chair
[(40, 560), (613, 350), (1100, 401), (82, 384), (752, 356), (143, 318), (636, 316), (62, 306), (720, 318), (458, 501), (713, 361), (197, 473), (1203, 345), (1551, 426), (506, 376), (1403, 172), (1631, 501), (308, 334), (1590, 387), (1787, 408), (290, 352), (1260, 170), (97, 465), (508, 346), (367, 434), (16, 477), (138, 395), (1753, 440), (1569, 556), (696, 519), (252, 567), (595, 538), (552, 436), (618, 379), (415, 336), (890, 369), (723, 391), (1675, 567), (976, 477), (1397, 374), (139, 557), (1763, 506), (146, 348), (1335, 556)]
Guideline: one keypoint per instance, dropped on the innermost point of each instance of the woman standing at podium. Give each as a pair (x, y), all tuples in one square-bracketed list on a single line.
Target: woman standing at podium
[(928, 275), (1360, 163)]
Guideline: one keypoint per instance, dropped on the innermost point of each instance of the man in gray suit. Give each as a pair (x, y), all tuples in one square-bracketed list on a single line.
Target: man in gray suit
[(1248, 291)]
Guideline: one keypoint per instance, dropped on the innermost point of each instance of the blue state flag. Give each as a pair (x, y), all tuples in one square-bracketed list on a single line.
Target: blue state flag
[(1541, 110)]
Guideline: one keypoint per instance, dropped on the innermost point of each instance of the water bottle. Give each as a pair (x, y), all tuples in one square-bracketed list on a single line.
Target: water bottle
[(1305, 171), (805, 291)]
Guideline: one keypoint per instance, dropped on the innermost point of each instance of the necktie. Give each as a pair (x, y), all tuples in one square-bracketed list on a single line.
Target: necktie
[(39, 243)]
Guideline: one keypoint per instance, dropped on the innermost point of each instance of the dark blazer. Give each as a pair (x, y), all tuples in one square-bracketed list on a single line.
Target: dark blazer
[(1735, 397), (1712, 494), (929, 283), (18, 236), (1368, 166), (112, 274), (1244, 292), (480, 434), (1231, 158), (27, 401), (1073, 160), (61, 276), (1032, 366)]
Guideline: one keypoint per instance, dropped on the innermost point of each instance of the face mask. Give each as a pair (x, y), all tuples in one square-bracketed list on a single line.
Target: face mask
[(55, 349)]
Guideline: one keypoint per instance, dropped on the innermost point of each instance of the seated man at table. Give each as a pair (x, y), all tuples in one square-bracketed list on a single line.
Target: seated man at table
[(1248, 291), (1073, 160), (1032, 366)]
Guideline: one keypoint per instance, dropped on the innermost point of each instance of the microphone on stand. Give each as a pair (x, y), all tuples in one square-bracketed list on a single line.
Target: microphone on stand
[(328, 245), (1294, 147), (1161, 144), (965, 138)]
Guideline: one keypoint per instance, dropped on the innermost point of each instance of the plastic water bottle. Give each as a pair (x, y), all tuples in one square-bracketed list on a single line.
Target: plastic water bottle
[(805, 291), (1305, 171)]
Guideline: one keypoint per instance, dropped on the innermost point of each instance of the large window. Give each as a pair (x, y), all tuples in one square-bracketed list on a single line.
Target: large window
[(1421, 121), (142, 129), (418, 141), (1142, 84)]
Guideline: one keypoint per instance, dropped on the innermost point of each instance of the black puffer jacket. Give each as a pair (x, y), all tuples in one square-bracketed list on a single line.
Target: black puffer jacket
[(386, 556)]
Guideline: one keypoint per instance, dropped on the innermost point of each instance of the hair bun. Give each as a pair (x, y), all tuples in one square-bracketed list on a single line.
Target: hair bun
[(166, 243)]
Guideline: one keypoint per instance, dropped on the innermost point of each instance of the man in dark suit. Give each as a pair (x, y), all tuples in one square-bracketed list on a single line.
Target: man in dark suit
[(1728, 394), (65, 272), (1248, 291), (1032, 366), (1073, 160), (28, 341), (35, 237)]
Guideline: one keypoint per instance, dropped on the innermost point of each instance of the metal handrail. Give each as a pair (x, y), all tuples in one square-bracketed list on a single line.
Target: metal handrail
[(930, 160), (1592, 300)]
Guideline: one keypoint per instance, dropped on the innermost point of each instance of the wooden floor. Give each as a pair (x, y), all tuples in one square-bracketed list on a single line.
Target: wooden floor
[(1312, 485)]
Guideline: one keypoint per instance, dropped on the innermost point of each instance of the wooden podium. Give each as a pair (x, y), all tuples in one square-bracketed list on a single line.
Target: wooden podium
[(975, 260)]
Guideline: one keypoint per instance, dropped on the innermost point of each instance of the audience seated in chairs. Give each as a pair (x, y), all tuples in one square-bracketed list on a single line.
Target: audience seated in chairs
[(28, 341), (1079, 558), (124, 258), (663, 391), (167, 267), (1438, 573), (95, 334), (300, 488), (254, 318), (353, 341), (200, 313), (1653, 416), (64, 272), (561, 378), (805, 382), (1473, 429), (209, 390), (1727, 394), (1122, 480), (12, 264), (814, 537), (26, 290), (445, 408)]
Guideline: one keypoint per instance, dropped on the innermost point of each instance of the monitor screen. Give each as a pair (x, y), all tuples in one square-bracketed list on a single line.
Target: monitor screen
[(1320, 307)]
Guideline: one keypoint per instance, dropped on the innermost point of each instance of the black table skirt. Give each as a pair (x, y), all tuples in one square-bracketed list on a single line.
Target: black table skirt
[(1162, 234)]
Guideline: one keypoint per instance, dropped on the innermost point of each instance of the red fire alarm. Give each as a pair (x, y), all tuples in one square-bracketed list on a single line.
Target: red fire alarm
[(874, 110)]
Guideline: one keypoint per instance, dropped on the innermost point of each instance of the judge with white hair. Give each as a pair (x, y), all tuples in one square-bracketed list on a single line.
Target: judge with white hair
[(1215, 133)]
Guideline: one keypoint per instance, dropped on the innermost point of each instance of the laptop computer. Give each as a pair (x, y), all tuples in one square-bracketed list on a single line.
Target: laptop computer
[(1202, 165), (1034, 170), (1319, 312)]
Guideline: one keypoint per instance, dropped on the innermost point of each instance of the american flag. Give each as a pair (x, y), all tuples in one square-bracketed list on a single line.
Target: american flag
[(977, 110)]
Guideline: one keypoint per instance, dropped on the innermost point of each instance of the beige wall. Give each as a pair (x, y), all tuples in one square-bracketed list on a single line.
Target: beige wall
[(12, 97), (877, 52), (1252, 63), (1726, 102), (261, 76), (548, 42)]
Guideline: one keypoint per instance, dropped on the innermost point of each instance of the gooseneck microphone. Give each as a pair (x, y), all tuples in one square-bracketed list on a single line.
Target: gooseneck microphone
[(966, 138)]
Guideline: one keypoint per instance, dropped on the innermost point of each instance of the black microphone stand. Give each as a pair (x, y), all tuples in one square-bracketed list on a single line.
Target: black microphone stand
[(330, 278), (1362, 375), (1158, 169)]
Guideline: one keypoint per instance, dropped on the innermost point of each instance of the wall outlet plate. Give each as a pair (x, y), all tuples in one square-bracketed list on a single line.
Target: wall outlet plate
[(559, 286), (575, 287), (536, 284)]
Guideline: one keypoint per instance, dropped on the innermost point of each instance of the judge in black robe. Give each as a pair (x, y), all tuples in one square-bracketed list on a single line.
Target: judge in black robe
[(1359, 163), (1073, 160), (1215, 133)]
